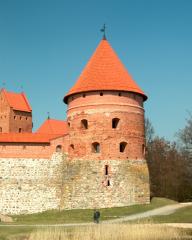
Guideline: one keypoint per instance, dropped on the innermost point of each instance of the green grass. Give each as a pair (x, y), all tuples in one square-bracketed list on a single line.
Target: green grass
[(86, 215), (183, 215)]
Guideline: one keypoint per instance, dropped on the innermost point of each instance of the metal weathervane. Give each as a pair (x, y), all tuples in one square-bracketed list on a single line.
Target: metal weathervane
[(103, 29)]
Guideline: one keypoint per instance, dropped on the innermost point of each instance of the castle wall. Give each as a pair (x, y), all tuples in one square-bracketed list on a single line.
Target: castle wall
[(30, 185), (4, 114), (85, 183)]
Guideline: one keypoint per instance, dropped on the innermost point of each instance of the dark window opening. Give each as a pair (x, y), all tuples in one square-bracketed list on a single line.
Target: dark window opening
[(20, 130), (26, 118), (69, 124), (84, 124), (1, 130), (96, 147), (101, 94), (108, 183), (20, 118), (71, 147), (14, 117), (120, 95), (84, 95), (58, 148), (122, 146), (106, 169), (115, 122)]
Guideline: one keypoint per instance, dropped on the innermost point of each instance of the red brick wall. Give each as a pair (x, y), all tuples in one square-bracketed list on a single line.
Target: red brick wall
[(19, 119), (22, 150), (4, 114), (99, 111)]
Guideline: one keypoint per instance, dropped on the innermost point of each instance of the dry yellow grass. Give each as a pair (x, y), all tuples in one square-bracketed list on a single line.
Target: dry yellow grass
[(109, 232)]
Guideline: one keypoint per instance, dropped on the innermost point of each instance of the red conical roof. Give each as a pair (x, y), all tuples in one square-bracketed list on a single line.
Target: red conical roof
[(104, 71)]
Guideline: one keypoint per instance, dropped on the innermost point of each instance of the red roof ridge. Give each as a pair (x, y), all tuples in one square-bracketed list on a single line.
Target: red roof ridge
[(103, 72), (25, 98)]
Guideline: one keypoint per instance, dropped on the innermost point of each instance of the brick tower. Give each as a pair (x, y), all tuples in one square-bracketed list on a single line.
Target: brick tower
[(15, 113), (106, 152)]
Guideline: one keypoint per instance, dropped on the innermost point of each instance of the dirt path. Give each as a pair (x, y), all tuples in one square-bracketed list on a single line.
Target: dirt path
[(166, 210)]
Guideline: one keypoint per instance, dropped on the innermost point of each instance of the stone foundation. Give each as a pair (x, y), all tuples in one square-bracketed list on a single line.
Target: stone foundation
[(85, 183)]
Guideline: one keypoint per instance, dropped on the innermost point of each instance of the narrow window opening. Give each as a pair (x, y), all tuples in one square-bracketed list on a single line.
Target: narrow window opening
[(1, 130), (26, 118), (96, 147), (115, 122), (122, 146), (58, 148), (20, 130), (20, 118), (101, 94), (84, 95), (84, 123), (69, 124), (120, 95), (106, 170), (108, 183), (14, 117)]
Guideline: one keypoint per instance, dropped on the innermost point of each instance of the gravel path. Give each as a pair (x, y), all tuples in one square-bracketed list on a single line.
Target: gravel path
[(166, 210)]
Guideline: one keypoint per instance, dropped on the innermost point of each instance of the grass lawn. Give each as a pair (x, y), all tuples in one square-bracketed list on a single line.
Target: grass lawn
[(86, 215), (183, 215), (19, 232)]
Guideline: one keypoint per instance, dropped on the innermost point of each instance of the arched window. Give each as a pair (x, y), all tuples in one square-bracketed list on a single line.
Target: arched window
[(115, 122), (1, 130), (20, 130), (84, 123), (122, 146), (96, 147), (58, 148), (71, 147)]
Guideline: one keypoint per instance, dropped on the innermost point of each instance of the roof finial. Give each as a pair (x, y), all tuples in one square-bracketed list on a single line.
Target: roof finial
[(103, 30), (48, 115)]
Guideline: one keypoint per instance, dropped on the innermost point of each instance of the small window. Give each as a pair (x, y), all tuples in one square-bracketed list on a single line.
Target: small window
[(106, 170), (58, 148), (108, 183), (71, 147), (119, 94), (96, 147), (1, 130), (68, 124), (84, 124), (20, 130), (115, 122), (14, 117), (101, 94), (26, 118), (20, 118), (84, 95), (122, 146)]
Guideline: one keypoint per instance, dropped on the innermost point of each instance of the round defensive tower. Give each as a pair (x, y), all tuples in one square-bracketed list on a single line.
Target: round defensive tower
[(106, 164)]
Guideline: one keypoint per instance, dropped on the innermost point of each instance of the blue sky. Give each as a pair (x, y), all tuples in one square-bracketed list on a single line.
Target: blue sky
[(44, 45)]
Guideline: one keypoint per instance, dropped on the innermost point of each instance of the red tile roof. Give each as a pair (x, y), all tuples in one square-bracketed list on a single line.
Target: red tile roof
[(53, 126), (26, 137), (18, 101), (104, 71)]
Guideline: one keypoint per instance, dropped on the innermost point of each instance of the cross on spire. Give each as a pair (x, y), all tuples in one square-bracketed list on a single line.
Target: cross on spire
[(48, 115), (103, 29)]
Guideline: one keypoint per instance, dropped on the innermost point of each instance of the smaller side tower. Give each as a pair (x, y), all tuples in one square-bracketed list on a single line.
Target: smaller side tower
[(15, 113)]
